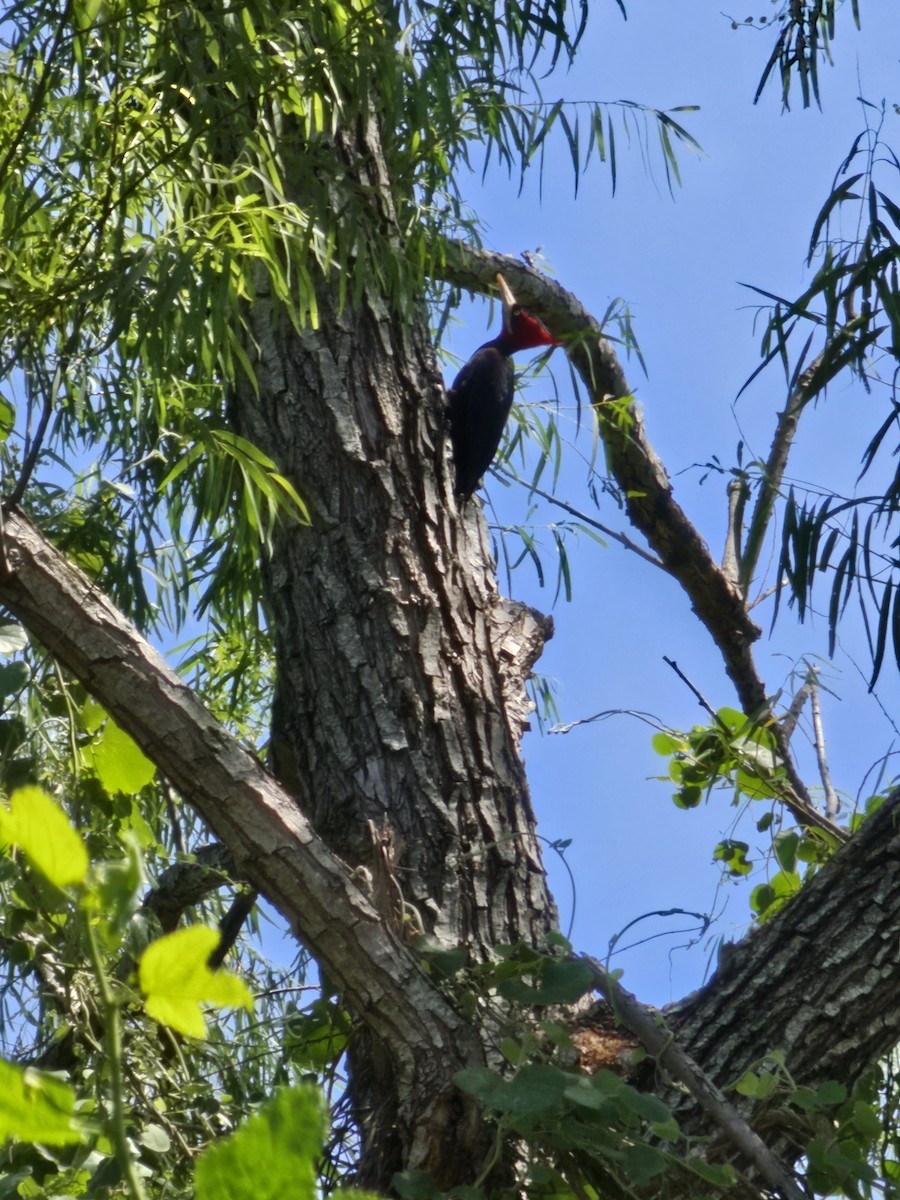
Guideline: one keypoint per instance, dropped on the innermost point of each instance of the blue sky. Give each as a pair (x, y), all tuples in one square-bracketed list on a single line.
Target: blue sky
[(744, 215)]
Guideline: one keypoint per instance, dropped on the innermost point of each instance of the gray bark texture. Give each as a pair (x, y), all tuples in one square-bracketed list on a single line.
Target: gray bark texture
[(818, 982), (400, 691), (401, 672), (416, 1038)]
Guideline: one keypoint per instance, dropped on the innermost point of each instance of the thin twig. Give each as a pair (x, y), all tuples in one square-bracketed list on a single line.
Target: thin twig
[(701, 699), (832, 803), (621, 538)]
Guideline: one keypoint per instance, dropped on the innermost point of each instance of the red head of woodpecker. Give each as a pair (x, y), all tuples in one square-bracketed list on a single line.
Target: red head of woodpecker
[(479, 401)]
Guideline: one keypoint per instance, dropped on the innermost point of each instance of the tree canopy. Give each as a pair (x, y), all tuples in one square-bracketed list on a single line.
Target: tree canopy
[(229, 234)]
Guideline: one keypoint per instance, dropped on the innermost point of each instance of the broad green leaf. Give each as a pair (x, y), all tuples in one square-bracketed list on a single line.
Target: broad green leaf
[(319, 1036), (7, 418), (641, 1163), (175, 980), (719, 1174), (732, 719), (120, 764), (536, 1089), (558, 983), (36, 1107), (831, 1092), (92, 715), (41, 830), (733, 855), (155, 1138), (416, 1185), (786, 845), (649, 1107), (13, 678), (272, 1157), (13, 638), (758, 1084), (666, 744)]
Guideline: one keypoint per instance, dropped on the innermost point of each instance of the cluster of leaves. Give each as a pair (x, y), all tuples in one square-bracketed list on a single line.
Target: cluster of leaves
[(81, 948), (162, 169), (739, 755), (845, 1130), (576, 1130), (734, 752), (119, 1119), (806, 31)]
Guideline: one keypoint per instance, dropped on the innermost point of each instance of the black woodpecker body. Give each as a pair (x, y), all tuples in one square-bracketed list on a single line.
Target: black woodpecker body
[(479, 401)]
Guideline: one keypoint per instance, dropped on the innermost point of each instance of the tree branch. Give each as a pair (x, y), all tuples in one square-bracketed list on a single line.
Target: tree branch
[(273, 845), (658, 1040), (650, 502), (808, 387)]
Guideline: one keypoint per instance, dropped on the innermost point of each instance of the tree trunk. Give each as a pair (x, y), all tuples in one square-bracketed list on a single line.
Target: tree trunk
[(400, 691), (818, 982)]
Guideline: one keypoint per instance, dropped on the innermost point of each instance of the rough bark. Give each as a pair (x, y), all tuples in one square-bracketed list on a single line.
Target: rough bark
[(819, 981), (419, 1039), (388, 597)]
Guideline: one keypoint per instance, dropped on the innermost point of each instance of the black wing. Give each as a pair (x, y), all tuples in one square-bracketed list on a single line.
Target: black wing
[(477, 407)]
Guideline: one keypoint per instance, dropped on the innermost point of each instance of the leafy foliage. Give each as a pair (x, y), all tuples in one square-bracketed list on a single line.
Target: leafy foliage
[(845, 321), (806, 30)]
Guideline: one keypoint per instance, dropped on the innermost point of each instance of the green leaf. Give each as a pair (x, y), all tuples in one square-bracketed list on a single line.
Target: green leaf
[(718, 1174), (732, 719), (558, 983), (651, 1108), (120, 764), (155, 1138), (273, 1156), (7, 418), (758, 1084), (13, 678), (831, 1092), (666, 744), (733, 855), (318, 1037), (13, 638), (41, 830), (482, 1083), (641, 1163), (786, 846), (175, 980), (416, 1185), (36, 1107), (536, 1090)]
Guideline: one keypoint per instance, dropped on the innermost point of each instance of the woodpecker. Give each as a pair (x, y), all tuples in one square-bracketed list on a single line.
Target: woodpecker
[(479, 401)]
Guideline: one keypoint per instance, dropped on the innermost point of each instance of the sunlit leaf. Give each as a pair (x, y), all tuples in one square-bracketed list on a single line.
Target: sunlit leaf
[(40, 829), (37, 1107), (176, 981), (272, 1156)]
